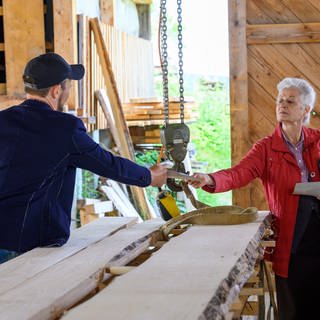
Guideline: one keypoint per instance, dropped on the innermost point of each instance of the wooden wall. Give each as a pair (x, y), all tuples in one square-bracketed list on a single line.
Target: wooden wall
[(132, 65), (269, 40)]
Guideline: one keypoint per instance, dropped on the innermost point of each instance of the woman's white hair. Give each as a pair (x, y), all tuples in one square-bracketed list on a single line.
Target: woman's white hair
[(307, 93)]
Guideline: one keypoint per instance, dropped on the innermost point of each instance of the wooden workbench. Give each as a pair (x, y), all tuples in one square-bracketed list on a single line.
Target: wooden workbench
[(195, 275)]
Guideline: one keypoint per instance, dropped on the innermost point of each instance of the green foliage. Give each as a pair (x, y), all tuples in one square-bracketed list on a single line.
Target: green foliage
[(211, 135), (148, 158), (89, 185)]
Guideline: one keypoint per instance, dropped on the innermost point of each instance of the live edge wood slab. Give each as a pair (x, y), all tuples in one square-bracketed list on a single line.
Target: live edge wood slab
[(195, 275)]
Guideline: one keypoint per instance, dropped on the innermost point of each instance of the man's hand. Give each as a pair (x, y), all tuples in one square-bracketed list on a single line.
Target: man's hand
[(203, 179), (158, 175)]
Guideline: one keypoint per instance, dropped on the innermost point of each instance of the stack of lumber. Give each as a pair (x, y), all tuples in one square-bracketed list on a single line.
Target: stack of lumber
[(149, 111), (194, 275), (92, 209), (145, 135)]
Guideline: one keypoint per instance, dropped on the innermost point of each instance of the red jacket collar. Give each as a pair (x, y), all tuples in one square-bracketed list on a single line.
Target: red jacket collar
[(310, 136)]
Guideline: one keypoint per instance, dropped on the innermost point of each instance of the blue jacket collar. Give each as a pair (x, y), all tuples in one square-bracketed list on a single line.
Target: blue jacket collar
[(36, 103)]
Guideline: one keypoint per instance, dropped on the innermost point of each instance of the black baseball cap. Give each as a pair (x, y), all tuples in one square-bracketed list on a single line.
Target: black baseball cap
[(49, 69)]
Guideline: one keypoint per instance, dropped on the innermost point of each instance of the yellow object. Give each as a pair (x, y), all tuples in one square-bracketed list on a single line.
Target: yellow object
[(167, 205)]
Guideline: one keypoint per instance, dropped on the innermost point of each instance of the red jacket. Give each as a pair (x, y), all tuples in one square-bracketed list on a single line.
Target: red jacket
[(270, 160)]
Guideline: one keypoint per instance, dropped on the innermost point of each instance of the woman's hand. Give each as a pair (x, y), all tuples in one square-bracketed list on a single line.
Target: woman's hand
[(202, 180)]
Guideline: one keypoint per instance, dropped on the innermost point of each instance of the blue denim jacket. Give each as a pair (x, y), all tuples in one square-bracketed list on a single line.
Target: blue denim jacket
[(40, 151)]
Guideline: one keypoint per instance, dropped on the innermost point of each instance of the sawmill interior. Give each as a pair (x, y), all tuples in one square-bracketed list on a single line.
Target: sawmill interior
[(140, 243)]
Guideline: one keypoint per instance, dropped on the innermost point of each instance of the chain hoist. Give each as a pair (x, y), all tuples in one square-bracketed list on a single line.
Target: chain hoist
[(174, 136)]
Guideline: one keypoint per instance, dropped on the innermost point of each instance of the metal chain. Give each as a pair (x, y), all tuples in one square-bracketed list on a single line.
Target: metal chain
[(164, 59), (180, 55)]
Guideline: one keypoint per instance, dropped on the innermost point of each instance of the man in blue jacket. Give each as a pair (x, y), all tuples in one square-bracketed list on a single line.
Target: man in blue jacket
[(41, 147)]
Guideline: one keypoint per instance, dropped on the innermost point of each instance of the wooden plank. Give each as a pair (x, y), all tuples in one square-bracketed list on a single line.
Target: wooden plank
[(124, 196), (276, 10), (302, 61), (24, 39), (283, 33), (3, 88), (65, 39), (143, 1), (303, 10), (276, 59), (47, 294), (195, 275), (99, 207), (108, 11), (122, 205), (82, 44), (255, 15), (126, 146), (238, 90), (15, 272)]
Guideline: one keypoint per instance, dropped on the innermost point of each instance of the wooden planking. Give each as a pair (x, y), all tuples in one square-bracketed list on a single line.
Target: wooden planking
[(28, 265), (263, 101), (119, 199), (50, 292), (276, 60), (65, 40), (21, 43), (238, 90), (283, 33), (126, 146), (285, 11), (143, 1), (108, 11), (279, 12), (188, 278), (132, 64), (255, 15), (257, 194), (259, 128), (305, 11)]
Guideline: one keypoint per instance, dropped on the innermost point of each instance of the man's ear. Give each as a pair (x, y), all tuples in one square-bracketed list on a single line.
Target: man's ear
[(54, 91)]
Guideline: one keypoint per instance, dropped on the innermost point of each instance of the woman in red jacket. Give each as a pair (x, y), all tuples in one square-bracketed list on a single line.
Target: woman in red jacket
[(289, 155)]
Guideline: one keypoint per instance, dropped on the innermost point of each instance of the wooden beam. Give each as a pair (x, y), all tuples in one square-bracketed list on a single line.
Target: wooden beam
[(108, 11), (238, 91), (24, 39), (283, 33), (144, 20), (126, 146), (65, 38), (143, 1)]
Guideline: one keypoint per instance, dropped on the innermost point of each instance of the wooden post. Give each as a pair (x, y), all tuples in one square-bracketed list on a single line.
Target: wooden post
[(65, 38), (24, 39), (108, 11), (144, 21), (238, 91), (126, 146)]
